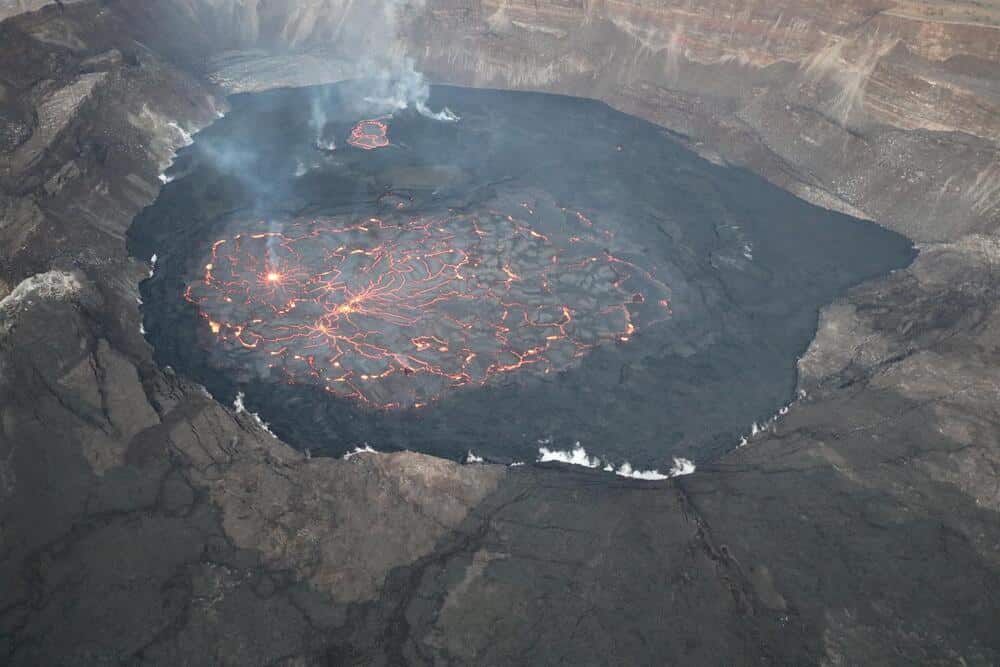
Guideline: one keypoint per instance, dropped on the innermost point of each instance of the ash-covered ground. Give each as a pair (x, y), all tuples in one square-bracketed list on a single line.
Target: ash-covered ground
[(543, 272)]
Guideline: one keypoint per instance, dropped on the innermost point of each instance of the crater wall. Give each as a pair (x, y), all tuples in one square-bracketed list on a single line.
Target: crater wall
[(888, 110), (142, 521)]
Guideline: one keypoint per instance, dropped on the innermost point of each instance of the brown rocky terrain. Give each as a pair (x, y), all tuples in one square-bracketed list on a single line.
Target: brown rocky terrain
[(141, 521)]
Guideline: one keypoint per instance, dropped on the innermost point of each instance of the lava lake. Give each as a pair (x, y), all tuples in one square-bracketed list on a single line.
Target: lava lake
[(542, 272)]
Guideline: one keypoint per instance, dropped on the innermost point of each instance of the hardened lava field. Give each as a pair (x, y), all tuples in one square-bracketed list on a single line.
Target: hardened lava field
[(395, 311)]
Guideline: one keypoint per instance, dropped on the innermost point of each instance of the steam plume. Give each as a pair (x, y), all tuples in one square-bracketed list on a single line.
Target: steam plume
[(391, 82)]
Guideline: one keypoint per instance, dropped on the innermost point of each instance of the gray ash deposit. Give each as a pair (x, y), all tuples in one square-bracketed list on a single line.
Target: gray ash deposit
[(545, 271)]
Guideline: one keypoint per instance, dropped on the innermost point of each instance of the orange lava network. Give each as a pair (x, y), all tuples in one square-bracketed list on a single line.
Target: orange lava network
[(395, 312)]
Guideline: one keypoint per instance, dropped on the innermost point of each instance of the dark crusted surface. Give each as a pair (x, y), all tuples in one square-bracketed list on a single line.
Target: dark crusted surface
[(142, 522)]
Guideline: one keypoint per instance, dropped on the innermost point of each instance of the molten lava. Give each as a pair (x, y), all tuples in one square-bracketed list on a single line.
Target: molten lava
[(369, 135), (395, 312)]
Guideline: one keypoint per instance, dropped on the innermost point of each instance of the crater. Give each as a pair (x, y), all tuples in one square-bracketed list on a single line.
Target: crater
[(545, 271)]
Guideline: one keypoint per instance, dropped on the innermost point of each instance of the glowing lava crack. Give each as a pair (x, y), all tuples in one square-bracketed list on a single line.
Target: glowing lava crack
[(395, 312)]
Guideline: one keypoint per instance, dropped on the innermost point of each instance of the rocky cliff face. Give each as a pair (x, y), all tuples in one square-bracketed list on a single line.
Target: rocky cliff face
[(142, 521), (840, 106)]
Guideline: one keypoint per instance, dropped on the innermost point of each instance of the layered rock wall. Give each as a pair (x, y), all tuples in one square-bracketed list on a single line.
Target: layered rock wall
[(837, 105)]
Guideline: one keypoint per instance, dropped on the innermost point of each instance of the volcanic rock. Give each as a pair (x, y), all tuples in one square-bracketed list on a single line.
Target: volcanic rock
[(142, 521)]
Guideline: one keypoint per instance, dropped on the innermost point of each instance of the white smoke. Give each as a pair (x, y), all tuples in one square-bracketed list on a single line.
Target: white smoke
[(578, 456), (240, 408), (651, 475), (758, 430), (390, 79), (367, 449), (404, 86), (682, 467), (318, 118), (398, 85)]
